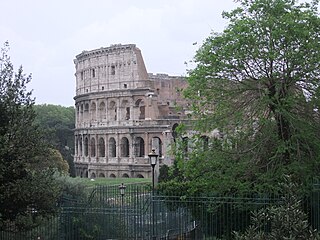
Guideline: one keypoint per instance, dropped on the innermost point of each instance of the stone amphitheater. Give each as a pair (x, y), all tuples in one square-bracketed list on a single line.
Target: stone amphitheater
[(122, 113)]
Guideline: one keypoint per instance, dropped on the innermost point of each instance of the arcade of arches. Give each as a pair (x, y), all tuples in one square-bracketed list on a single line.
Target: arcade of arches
[(102, 152), (115, 149)]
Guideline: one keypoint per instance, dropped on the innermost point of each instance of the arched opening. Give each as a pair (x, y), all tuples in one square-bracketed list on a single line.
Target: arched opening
[(113, 70), (81, 113), (81, 174), (112, 175), (76, 146), (112, 111), (124, 147), (139, 147), (102, 111), (140, 176), (157, 145), (86, 147), (78, 113), (101, 175), (127, 113), (93, 111), (93, 175), (125, 175), (80, 146), (126, 109), (86, 174), (112, 147), (86, 112), (93, 147), (142, 111), (102, 148)]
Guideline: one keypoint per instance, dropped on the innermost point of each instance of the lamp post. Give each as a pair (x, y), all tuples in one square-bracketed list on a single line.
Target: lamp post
[(153, 162), (122, 188)]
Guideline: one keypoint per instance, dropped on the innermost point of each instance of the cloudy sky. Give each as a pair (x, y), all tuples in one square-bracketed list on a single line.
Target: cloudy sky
[(46, 35)]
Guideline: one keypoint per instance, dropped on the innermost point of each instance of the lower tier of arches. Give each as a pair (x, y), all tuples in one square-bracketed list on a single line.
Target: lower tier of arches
[(113, 171)]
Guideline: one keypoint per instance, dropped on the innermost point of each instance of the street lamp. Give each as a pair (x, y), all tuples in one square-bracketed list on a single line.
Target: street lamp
[(153, 162), (122, 188)]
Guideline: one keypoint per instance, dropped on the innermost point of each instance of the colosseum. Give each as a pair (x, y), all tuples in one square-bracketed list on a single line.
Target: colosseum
[(122, 113)]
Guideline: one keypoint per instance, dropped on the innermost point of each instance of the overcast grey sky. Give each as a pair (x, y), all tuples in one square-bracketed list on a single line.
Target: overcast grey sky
[(46, 35)]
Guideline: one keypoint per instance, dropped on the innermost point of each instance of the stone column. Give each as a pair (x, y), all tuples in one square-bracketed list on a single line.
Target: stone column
[(118, 149), (106, 148), (118, 110), (147, 144), (97, 113), (76, 147), (96, 147), (132, 155)]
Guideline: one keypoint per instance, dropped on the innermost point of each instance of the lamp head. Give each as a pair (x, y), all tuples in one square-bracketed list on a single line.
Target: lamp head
[(153, 157), (122, 188)]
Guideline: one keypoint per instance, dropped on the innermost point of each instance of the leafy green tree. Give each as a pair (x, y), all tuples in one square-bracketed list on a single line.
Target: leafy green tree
[(51, 159), (257, 82), (25, 194), (58, 122)]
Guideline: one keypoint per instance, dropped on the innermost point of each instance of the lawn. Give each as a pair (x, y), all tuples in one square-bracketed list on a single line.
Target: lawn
[(112, 181)]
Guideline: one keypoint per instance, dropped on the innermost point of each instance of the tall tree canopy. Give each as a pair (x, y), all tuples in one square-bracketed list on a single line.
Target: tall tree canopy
[(58, 123), (26, 193), (257, 82)]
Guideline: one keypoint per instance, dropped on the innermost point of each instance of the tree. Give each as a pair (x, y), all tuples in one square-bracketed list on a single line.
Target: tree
[(26, 195), (257, 82), (58, 122), (52, 159)]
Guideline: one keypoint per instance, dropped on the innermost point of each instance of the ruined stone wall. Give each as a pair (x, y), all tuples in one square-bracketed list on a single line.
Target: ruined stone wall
[(122, 113), (169, 93)]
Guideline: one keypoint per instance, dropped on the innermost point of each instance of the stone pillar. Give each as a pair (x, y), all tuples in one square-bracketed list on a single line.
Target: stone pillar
[(96, 147), (76, 147), (82, 147), (118, 111), (89, 148), (147, 144), (106, 148), (131, 148), (97, 113), (118, 149), (148, 108)]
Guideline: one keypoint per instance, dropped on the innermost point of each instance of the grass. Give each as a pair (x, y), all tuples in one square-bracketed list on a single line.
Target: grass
[(111, 181)]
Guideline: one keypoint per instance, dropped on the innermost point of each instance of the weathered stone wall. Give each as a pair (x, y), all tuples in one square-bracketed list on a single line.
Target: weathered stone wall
[(122, 112)]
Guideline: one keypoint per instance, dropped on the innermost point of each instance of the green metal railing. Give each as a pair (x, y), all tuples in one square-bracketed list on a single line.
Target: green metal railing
[(142, 214)]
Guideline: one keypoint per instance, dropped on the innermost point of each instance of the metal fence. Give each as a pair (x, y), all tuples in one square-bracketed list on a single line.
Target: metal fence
[(139, 213)]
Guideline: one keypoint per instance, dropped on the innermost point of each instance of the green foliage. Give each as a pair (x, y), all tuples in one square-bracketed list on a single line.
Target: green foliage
[(257, 84), (26, 194), (51, 159), (284, 221), (57, 123), (163, 173), (72, 188), (111, 181)]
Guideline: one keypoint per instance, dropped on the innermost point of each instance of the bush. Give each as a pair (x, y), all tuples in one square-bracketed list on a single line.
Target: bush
[(284, 221)]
